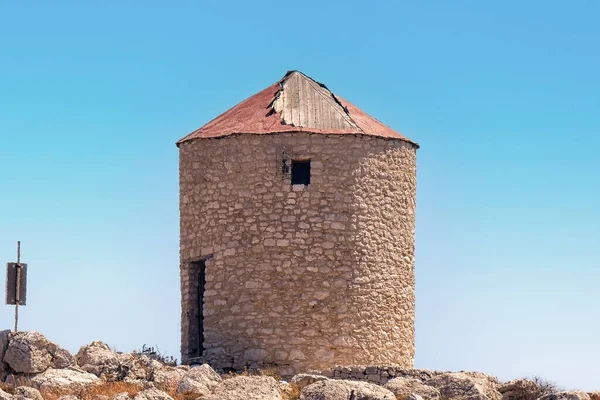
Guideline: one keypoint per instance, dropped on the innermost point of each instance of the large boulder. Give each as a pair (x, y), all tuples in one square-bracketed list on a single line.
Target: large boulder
[(246, 388), (344, 390), (5, 396), (139, 367), (167, 378), (64, 379), (303, 380), (152, 394), (198, 381), (31, 353), (402, 387), (4, 338), (568, 395), (465, 386), (98, 359), (519, 389)]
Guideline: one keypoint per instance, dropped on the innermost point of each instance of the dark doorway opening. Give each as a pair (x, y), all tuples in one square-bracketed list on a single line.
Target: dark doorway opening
[(200, 268), (300, 172)]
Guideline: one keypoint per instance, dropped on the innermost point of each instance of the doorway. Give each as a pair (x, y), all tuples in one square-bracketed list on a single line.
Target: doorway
[(200, 269)]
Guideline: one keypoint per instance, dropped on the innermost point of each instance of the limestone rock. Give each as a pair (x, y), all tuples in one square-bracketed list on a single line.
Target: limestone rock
[(5, 396), (343, 390), (31, 353), (567, 395), (122, 396), (138, 367), (465, 386), (152, 394), (247, 388), (4, 337), (594, 395), (68, 397), (303, 380), (168, 378), (64, 378), (199, 380), (27, 393), (98, 359), (519, 389), (402, 387)]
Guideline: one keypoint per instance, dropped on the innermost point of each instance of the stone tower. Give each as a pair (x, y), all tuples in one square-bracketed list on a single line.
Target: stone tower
[(297, 234)]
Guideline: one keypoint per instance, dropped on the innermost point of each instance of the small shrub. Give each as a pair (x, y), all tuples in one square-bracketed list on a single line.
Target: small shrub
[(544, 386), (529, 389), (155, 354)]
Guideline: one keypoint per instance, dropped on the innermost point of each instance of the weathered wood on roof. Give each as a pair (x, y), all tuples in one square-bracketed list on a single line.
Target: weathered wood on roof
[(305, 103), (296, 103)]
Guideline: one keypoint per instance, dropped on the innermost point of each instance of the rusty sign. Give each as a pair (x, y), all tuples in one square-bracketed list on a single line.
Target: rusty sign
[(16, 273)]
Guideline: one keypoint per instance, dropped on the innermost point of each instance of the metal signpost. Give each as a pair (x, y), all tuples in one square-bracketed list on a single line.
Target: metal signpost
[(16, 284)]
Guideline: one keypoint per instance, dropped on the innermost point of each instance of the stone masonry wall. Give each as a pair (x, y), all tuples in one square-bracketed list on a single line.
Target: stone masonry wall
[(299, 277), (378, 374)]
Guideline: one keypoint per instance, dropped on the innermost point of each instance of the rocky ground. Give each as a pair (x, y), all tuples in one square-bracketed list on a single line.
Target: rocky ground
[(33, 368)]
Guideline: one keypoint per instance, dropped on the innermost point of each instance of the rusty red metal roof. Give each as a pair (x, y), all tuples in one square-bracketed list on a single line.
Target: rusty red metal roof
[(296, 103)]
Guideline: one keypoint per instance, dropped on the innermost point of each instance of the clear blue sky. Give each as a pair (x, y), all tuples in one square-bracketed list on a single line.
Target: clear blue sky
[(502, 96)]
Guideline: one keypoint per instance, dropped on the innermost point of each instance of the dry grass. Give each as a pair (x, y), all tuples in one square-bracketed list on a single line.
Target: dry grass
[(93, 392), (292, 392), (272, 372), (10, 389)]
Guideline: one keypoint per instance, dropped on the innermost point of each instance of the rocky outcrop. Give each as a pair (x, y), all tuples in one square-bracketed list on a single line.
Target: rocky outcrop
[(167, 378), (64, 379), (199, 380), (403, 387), (4, 337), (152, 394), (343, 390), (246, 388), (569, 395), (519, 389), (139, 377), (68, 397), (98, 359), (465, 386), (32, 353)]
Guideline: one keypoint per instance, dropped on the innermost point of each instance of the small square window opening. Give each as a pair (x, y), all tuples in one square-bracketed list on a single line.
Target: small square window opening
[(300, 172)]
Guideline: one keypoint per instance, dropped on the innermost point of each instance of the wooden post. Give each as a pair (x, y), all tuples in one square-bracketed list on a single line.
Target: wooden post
[(18, 286)]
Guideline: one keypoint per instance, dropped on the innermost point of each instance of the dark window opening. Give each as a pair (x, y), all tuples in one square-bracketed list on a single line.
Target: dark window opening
[(200, 268), (300, 172)]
